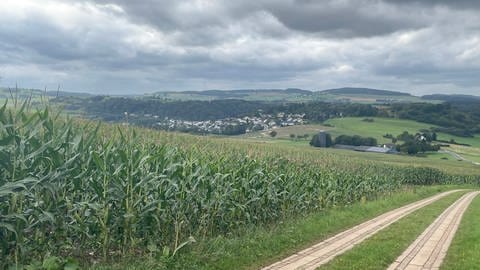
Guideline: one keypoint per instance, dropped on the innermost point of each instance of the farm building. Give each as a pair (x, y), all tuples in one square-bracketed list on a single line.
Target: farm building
[(376, 149), (322, 136), (362, 148)]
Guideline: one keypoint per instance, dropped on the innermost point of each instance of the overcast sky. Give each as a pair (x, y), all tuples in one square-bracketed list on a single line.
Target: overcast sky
[(124, 46)]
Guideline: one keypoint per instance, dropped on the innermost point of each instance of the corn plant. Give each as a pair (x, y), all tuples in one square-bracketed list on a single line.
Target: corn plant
[(71, 187)]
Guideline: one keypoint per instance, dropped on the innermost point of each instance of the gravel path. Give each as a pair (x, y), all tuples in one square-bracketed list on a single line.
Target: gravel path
[(323, 252), (429, 249)]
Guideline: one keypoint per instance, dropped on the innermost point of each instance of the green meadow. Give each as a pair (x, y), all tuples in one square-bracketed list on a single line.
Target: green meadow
[(78, 192), (376, 129), (381, 126)]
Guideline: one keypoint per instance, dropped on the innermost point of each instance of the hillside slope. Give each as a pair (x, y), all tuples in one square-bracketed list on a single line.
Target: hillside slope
[(364, 91)]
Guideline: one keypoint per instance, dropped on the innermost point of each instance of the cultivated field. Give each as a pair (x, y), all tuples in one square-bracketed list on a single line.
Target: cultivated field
[(376, 129), (77, 193), (381, 126)]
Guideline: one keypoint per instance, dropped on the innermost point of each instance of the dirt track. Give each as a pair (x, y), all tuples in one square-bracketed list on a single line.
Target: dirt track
[(323, 252), (429, 249)]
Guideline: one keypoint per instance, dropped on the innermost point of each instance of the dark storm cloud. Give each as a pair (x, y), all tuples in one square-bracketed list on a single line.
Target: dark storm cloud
[(352, 19), (363, 18), (149, 45), (449, 3)]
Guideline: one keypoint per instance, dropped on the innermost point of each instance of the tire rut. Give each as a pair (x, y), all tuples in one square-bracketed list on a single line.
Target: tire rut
[(323, 252), (430, 248)]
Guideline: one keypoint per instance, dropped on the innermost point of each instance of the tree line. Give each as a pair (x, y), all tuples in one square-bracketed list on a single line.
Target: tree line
[(457, 118), (113, 108), (461, 118), (407, 143)]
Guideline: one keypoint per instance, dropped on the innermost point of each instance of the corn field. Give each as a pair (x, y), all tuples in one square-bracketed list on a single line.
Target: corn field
[(95, 192)]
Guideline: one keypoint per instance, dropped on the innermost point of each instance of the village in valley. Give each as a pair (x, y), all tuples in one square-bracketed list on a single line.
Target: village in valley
[(227, 126)]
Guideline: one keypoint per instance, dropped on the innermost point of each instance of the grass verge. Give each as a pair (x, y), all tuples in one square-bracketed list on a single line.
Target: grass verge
[(257, 247), (379, 251), (465, 247)]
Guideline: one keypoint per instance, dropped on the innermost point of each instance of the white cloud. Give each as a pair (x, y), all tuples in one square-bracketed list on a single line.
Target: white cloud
[(126, 47)]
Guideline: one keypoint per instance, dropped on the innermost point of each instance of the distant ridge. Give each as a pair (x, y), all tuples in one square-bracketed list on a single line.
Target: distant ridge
[(336, 91), (27, 92), (68, 94), (452, 98), (216, 92), (363, 91)]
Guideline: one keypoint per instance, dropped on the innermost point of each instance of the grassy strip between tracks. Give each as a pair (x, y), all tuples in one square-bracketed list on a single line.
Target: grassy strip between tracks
[(383, 248), (260, 246), (465, 248)]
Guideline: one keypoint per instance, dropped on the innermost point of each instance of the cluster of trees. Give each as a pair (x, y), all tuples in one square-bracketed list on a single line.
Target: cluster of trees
[(112, 108), (457, 117), (460, 118), (411, 143), (225, 130), (355, 140), (234, 129), (416, 143), (322, 111), (317, 140), (424, 135)]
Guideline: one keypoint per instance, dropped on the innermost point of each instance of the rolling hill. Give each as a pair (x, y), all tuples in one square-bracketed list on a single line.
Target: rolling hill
[(364, 91), (451, 98)]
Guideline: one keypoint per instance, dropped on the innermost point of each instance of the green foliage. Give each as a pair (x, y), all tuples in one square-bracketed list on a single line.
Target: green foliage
[(71, 188), (365, 91), (321, 111), (460, 118), (355, 140), (112, 108), (420, 142), (317, 140), (259, 246), (234, 129), (381, 250), (457, 117), (52, 263), (463, 251)]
